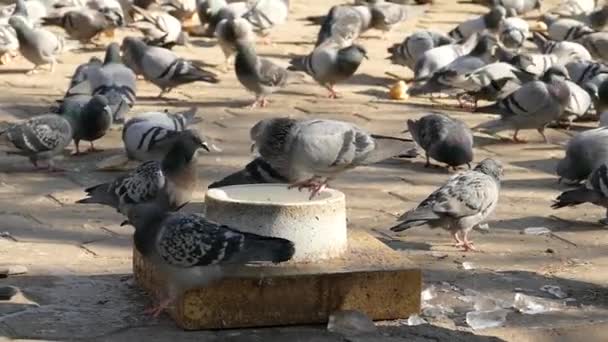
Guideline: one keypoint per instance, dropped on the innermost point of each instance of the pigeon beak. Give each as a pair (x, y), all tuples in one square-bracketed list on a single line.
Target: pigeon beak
[(405, 130), (559, 180), (365, 56), (252, 147), (205, 146), (125, 223)]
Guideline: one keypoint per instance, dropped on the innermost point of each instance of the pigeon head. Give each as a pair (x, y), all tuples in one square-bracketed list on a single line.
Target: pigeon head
[(133, 46), (20, 8), (112, 54), (18, 23), (538, 4), (494, 18), (183, 151), (490, 167), (271, 132), (99, 104)]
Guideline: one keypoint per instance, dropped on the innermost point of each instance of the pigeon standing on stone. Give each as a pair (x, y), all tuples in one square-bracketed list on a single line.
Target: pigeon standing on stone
[(444, 139), (259, 75), (162, 67), (40, 138), (490, 22), (464, 202), (312, 152), (149, 136), (411, 49), (90, 117), (230, 31), (584, 153), (190, 251), (37, 45), (595, 190), (534, 105), (168, 183), (330, 63)]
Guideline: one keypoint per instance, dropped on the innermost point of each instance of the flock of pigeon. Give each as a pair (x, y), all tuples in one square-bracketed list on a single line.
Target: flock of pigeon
[(548, 74)]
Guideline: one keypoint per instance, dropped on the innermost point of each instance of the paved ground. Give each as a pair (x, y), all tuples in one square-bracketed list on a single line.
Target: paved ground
[(79, 284)]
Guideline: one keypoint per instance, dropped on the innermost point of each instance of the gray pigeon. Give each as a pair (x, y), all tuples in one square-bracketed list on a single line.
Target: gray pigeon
[(513, 32), (266, 14), (569, 8), (344, 23), (464, 202), (90, 117), (37, 45), (168, 183), (596, 19), (330, 63), (149, 136), (84, 24), (81, 74), (564, 50), (438, 57), (493, 82), (312, 152), (256, 172), (161, 66), (259, 75), (159, 28), (559, 29), (600, 102), (230, 31), (40, 138), (489, 22), (386, 15), (8, 43), (113, 80), (595, 190), (534, 105), (513, 7), (444, 139), (589, 75), (584, 153), (596, 43), (411, 49), (190, 251)]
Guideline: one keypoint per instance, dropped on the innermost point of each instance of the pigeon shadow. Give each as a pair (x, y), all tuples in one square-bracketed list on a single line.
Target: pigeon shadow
[(556, 223), (399, 245), (13, 71), (26, 111), (377, 93), (367, 79), (542, 165), (203, 43), (90, 49)]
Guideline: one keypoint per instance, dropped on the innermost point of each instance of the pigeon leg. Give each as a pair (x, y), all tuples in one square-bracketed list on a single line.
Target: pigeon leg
[(255, 103), (604, 221), (428, 160), (467, 244), (542, 132), (93, 149), (459, 242), (155, 311), (52, 69), (32, 71), (52, 168), (5, 59), (469, 165), (516, 139), (263, 102), (332, 92), (77, 146), (314, 184)]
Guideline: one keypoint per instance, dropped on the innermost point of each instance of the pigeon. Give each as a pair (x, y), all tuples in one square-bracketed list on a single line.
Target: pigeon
[(259, 75), (444, 139), (438, 57), (578, 104), (37, 45), (600, 102), (230, 31), (414, 46), (386, 15), (8, 43), (31, 11), (597, 44), (161, 66), (168, 183), (589, 75), (595, 191), (489, 22), (84, 24), (584, 153), (596, 19), (90, 117), (494, 82), (159, 28), (464, 202), (568, 8), (513, 32), (183, 10), (564, 50), (330, 63), (534, 105), (149, 136), (559, 29), (266, 14), (212, 12), (81, 74), (257, 171), (312, 152), (513, 7), (344, 23), (191, 251), (40, 138), (112, 79)]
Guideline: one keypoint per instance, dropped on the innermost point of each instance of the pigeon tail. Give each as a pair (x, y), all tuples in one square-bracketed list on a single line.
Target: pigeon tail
[(492, 127), (388, 147), (99, 194), (298, 63), (575, 197), (415, 218), (257, 248), (257, 171)]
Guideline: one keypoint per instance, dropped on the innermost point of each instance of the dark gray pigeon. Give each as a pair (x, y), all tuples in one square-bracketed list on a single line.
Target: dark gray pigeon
[(312, 152), (190, 251), (330, 63), (344, 23), (444, 139), (438, 57), (411, 49), (594, 191), (40, 138), (464, 202), (169, 183), (585, 152), (90, 117), (534, 105), (161, 66)]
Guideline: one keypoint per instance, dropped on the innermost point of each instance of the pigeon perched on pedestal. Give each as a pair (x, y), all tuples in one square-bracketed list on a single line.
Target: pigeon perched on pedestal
[(464, 202)]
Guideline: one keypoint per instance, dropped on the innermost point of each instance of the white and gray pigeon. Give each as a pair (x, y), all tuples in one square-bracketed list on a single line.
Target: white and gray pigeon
[(567, 8), (415, 45), (312, 152), (589, 75), (513, 7), (112, 79), (535, 63), (579, 102), (37, 45), (464, 202), (597, 44), (230, 31), (168, 183), (343, 23), (438, 57), (32, 11), (161, 66), (446, 140), (330, 63), (9, 45), (40, 138), (386, 15), (565, 51), (493, 82), (84, 24), (584, 153), (257, 171), (534, 105), (159, 28), (90, 117), (190, 251), (489, 22), (595, 191), (259, 75), (559, 29), (513, 32), (148, 136)]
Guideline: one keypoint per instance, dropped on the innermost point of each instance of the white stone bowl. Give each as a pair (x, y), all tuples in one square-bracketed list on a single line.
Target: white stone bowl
[(317, 227)]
